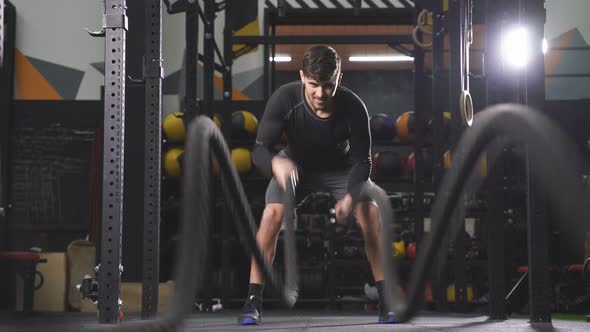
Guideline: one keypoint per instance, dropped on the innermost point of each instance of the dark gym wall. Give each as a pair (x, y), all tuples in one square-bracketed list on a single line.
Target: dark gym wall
[(133, 191), (134, 145)]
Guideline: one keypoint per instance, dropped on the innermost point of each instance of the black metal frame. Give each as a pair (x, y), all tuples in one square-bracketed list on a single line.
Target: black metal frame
[(191, 59), (342, 16), (226, 234), (208, 56), (527, 88), (459, 23), (422, 110), (153, 74), (284, 15), (7, 42), (109, 269), (192, 11), (496, 90), (537, 211), (335, 39), (439, 92)]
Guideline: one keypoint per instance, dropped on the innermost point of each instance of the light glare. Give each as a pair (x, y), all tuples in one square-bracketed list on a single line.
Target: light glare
[(380, 58), (545, 46), (516, 49), (281, 58)]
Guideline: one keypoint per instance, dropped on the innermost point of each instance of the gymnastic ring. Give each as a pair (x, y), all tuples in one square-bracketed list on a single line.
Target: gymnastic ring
[(466, 105)]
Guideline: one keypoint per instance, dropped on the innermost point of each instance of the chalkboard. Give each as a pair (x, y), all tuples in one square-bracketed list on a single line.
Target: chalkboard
[(50, 176)]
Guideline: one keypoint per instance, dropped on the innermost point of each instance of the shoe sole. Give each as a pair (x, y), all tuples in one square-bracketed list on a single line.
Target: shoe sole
[(390, 320), (249, 321)]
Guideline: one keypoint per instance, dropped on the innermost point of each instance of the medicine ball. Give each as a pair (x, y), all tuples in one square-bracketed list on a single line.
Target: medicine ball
[(447, 124), (382, 127), (173, 126), (173, 162), (451, 293), (411, 250), (244, 124), (481, 166), (398, 249), (388, 164), (217, 120), (447, 159), (405, 126), (446, 127), (242, 160)]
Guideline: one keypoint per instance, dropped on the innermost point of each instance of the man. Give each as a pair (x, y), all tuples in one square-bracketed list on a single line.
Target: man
[(329, 149)]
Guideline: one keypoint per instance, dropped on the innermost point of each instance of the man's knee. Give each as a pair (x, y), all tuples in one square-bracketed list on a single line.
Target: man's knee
[(273, 213), (366, 212)]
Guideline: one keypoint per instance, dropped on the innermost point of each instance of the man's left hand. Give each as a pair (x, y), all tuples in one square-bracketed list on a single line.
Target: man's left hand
[(343, 208)]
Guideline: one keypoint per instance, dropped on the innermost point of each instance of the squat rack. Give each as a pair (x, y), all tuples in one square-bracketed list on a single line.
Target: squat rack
[(109, 268)]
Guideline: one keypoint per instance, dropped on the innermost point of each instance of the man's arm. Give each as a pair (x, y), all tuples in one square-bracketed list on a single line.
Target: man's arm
[(269, 133), (360, 147)]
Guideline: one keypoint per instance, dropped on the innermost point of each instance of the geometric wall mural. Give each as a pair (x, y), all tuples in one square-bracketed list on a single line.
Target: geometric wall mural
[(30, 84), (64, 79), (171, 83), (568, 62), (42, 80), (98, 66)]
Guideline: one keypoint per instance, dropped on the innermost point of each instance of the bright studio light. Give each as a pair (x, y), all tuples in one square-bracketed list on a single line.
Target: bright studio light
[(545, 46), (516, 50), (280, 58), (380, 58)]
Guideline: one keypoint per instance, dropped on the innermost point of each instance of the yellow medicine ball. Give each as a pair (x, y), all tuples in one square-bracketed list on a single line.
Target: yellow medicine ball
[(482, 163), (451, 293), (217, 120), (242, 160), (399, 249), (244, 123), (173, 126), (172, 162)]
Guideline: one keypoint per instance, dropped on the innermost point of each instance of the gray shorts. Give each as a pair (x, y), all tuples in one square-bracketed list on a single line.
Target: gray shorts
[(333, 182)]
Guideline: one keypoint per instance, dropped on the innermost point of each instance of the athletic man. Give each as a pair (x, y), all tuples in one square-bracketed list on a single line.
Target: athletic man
[(329, 149)]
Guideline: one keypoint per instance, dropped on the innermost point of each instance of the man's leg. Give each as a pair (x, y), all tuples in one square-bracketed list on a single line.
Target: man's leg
[(266, 238), (367, 215)]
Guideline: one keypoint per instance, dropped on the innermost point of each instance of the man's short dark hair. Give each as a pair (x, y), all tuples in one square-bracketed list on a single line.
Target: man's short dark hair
[(320, 63)]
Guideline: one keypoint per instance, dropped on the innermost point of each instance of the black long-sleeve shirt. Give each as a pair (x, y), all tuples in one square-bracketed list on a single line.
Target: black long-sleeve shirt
[(341, 141)]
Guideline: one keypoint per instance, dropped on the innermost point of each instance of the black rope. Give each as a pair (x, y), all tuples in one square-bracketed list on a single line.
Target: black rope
[(204, 138)]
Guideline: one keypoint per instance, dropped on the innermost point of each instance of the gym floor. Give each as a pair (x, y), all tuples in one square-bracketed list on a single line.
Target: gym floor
[(299, 320)]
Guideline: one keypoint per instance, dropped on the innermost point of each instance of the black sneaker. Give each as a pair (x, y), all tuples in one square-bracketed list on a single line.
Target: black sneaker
[(251, 311), (386, 316)]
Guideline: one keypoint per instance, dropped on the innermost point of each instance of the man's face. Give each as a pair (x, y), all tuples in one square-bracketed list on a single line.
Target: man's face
[(319, 94)]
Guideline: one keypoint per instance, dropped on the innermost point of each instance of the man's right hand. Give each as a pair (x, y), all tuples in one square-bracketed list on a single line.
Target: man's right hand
[(282, 168)]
